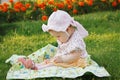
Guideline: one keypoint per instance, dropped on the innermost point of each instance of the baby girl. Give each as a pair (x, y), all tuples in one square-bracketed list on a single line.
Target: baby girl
[(71, 51)]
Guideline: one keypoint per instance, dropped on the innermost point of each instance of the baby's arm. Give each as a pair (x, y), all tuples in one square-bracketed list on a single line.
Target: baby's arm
[(69, 58)]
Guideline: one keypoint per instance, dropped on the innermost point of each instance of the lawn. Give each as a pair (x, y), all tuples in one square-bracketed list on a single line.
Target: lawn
[(103, 42)]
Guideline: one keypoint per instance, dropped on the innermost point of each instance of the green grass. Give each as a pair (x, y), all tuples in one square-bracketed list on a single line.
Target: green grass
[(103, 42)]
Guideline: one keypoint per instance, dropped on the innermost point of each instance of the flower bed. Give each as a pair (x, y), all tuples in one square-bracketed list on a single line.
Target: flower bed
[(41, 9)]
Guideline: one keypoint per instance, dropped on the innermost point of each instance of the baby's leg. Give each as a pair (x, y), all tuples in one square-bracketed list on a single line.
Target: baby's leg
[(43, 65)]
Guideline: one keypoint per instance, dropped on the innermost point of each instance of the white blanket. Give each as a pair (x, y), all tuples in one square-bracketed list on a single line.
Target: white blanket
[(20, 72)]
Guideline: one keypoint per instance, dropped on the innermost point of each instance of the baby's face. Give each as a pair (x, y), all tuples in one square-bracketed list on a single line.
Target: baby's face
[(61, 36)]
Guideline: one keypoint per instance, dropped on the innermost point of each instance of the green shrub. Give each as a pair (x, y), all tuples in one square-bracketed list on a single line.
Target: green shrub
[(34, 10)]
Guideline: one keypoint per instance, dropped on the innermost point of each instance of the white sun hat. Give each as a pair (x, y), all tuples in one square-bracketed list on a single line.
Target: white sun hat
[(60, 21)]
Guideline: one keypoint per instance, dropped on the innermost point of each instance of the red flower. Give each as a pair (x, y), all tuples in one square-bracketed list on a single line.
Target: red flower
[(54, 9), (11, 1), (5, 9), (81, 3), (5, 5), (69, 2), (90, 2), (27, 5), (69, 6), (51, 2), (114, 3), (42, 5), (1, 7), (23, 9), (44, 18), (60, 5), (75, 11), (18, 5), (118, 1)]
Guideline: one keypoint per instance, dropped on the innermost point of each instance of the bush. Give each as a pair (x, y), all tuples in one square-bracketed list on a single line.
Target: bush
[(41, 9)]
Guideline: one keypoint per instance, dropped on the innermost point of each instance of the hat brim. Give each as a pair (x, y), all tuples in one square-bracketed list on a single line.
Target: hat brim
[(46, 28)]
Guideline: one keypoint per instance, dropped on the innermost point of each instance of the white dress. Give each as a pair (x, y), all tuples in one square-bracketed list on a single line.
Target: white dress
[(75, 42)]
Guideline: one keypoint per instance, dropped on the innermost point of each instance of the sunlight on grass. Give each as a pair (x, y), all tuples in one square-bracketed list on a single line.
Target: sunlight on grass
[(100, 44), (25, 44), (105, 36)]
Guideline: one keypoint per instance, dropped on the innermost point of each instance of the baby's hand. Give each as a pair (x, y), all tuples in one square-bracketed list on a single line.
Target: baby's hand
[(58, 59), (29, 63)]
